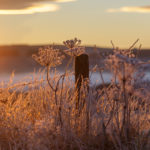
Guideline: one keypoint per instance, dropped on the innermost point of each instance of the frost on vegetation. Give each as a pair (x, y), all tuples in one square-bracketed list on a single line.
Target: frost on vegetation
[(49, 57), (74, 48), (114, 117), (124, 64)]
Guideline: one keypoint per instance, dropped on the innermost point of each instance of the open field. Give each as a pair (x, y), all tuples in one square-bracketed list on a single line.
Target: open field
[(48, 113), (88, 94)]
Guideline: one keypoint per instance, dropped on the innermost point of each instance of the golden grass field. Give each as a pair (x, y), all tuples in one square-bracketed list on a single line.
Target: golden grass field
[(41, 114)]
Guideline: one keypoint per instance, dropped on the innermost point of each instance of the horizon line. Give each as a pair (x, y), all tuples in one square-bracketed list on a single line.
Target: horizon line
[(59, 44)]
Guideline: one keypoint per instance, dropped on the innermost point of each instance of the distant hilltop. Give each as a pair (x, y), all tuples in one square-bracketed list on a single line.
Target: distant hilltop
[(18, 58), (27, 51)]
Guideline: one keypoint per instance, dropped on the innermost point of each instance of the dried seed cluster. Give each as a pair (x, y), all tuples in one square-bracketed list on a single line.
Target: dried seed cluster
[(49, 57)]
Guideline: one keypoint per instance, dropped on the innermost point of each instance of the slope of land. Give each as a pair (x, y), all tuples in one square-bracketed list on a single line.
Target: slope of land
[(18, 58)]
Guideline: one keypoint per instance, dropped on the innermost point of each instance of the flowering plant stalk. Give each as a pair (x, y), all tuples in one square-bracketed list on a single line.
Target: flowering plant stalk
[(50, 57)]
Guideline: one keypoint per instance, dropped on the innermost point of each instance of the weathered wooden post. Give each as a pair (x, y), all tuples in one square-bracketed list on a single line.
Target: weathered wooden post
[(81, 73)]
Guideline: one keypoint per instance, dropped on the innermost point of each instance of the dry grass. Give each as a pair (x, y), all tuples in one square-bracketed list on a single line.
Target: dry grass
[(42, 115)]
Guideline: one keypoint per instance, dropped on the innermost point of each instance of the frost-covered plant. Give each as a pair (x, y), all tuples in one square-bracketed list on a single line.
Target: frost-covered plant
[(115, 116), (126, 96), (72, 43), (49, 57), (74, 48), (123, 64)]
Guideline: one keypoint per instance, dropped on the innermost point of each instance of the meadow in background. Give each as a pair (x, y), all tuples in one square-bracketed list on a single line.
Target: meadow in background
[(42, 114)]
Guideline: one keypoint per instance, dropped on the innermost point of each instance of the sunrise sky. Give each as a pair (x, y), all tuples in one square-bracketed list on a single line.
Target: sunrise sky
[(93, 21)]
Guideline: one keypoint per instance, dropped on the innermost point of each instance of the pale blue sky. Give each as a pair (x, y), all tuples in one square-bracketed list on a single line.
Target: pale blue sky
[(88, 20)]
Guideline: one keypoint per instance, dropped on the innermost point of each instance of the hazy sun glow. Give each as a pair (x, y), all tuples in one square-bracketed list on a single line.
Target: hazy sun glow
[(95, 22), (31, 10)]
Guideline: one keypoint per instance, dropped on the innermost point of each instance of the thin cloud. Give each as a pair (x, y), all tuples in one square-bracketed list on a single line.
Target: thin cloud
[(13, 7), (31, 10), (64, 1), (141, 9)]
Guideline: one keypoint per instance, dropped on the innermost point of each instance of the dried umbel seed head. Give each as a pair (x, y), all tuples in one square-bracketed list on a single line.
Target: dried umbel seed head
[(73, 47), (75, 51), (49, 57), (72, 43)]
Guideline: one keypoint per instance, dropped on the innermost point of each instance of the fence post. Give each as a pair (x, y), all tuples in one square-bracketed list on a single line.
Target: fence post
[(81, 73)]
